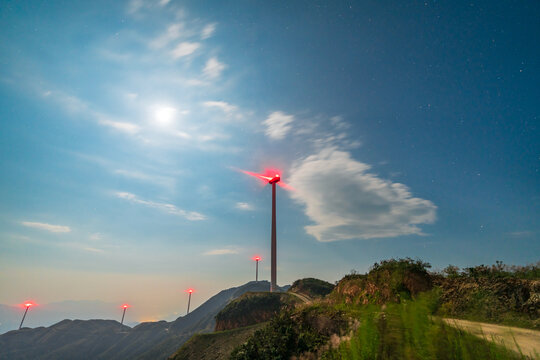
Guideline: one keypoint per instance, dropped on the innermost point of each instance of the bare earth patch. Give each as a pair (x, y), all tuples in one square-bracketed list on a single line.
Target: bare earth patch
[(511, 337)]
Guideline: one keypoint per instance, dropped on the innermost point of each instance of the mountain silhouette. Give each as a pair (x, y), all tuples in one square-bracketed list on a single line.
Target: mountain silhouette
[(108, 340)]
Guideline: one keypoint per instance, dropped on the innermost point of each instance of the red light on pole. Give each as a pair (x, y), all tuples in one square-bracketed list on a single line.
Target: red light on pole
[(27, 305), (257, 259), (125, 306), (189, 291)]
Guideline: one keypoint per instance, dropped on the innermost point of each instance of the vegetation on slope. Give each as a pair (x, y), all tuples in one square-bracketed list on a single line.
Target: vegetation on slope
[(252, 308), (313, 288), (388, 281), (217, 345), (491, 294), (293, 333), (408, 331), (386, 314)]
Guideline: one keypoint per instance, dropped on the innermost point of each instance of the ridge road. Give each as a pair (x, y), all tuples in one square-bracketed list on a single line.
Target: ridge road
[(511, 337)]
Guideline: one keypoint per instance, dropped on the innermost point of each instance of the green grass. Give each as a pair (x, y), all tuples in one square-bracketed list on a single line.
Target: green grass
[(217, 345), (408, 331)]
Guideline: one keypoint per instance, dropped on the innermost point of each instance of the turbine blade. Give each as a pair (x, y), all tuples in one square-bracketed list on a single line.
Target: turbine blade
[(262, 177), (285, 186)]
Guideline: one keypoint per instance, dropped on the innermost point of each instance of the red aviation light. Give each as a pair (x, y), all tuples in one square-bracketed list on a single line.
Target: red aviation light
[(257, 258), (27, 304), (190, 291), (125, 306)]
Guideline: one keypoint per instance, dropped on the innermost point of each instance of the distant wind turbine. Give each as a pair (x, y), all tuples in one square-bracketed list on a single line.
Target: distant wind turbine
[(27, 304), (125, 306), (190, 291)]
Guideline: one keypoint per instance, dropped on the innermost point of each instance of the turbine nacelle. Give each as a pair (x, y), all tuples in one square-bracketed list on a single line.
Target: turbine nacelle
[(270, 177), (275, 179)]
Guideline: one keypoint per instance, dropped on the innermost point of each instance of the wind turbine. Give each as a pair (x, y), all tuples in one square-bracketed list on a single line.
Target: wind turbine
[(273, 178), (257, 259), (125, 306), (27, 304), (189, 291)]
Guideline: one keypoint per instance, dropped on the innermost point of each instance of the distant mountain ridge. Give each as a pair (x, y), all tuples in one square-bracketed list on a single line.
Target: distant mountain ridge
[(107, 340)]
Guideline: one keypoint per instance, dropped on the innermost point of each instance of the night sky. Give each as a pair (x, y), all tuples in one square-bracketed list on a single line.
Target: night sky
[(406, 128)]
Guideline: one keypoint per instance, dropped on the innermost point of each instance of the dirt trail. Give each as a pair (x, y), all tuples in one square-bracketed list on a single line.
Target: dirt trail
[(527, 340), (302, 297)]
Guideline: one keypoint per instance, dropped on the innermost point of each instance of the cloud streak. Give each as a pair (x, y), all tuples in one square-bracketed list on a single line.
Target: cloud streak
[(345, 201), (222, 105), (48, 227), (168, 208), (244, 206), (278, 125), (221, 252), (213, 68), (184, 49)]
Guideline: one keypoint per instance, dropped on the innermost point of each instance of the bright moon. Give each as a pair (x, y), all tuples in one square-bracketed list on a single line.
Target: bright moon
[(164, 115)]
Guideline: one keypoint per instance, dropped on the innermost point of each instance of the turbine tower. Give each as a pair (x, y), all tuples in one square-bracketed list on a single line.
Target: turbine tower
[(27, 305), (125, 306), (273, 179)]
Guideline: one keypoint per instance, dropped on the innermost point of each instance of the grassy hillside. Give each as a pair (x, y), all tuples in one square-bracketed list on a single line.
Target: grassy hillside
[(311, 287), (252, 308), (388, 313), (216, 345)]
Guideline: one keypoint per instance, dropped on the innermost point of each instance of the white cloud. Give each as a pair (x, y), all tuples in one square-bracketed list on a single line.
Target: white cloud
[(213, 68), (345, 201), (48, 227), (173, 32), (278, 125), (221, 252), (126, 127), (208, 31), (134, 6), (91, 249), (164, 2), (185, 49), (222, 105), (244, 206), (165, 181), (520, 233), (169, 208), (96, 237)]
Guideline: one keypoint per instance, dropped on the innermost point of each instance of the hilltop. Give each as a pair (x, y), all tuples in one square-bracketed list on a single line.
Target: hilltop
[(393, 311)]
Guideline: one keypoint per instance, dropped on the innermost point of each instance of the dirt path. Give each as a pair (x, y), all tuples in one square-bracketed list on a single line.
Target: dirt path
[(302, 297), (527, 340)]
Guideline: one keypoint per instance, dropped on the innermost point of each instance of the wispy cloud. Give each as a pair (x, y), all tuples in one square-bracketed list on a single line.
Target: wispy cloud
[(95, 236), (345, 201), (518, 234), (48, 227), (244, 206), (208, 31), (184, 49), (168, 208), (213, 68), (173, 32), (164, 181), (126, 127), (278, 125), (134, 6), (222, 105), (95, 250), (221, 252)]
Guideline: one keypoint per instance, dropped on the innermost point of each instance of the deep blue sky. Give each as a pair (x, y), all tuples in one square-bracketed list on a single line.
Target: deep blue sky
[(406, 129)]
